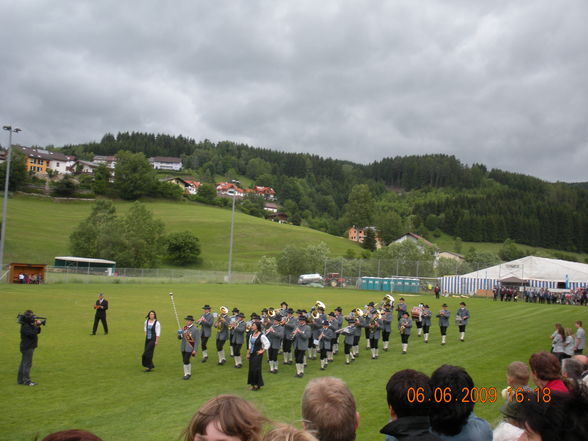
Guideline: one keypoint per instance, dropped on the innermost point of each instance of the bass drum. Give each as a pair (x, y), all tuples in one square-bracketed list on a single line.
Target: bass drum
[(416, 313)]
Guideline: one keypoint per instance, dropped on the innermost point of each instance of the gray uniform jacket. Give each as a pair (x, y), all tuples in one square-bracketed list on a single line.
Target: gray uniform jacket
[(195, 333), (407, 322), (358, 326), (289, 327), (375, 330), (301, 339), (348, 332), (223, 332), (275, 334), (464, 314), (327, 336), (206, 323), (238, 333), (444, 319), (427, 317), (401, 308), (317, 325), (387, 322)]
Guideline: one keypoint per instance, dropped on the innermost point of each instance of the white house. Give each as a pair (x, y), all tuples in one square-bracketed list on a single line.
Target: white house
[(87, 167), (166, 163), (229, 189), (110, 161)]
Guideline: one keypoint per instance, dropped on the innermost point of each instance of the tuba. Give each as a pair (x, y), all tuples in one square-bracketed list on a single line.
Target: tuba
[(271, 312), (319, 304), (220, 321)]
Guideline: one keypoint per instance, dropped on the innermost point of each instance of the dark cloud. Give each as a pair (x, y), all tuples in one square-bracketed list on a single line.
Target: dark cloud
[(502, 83)]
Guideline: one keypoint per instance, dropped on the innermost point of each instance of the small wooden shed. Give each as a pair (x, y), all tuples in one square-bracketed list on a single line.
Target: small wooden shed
[(32, 273)]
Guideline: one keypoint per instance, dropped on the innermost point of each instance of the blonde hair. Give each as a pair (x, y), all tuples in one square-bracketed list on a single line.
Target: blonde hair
[(328, 408), (286, 432), (233, 415), (519, 372)]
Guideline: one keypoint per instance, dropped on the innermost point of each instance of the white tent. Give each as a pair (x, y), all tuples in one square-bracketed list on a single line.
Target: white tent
[(538, 272), (536, 268)]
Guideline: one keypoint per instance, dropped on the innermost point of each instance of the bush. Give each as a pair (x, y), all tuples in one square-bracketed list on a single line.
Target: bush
[(183, 248)]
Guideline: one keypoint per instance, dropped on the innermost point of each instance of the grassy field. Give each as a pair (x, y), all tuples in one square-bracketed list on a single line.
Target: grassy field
[(38, 229), (97, 382)]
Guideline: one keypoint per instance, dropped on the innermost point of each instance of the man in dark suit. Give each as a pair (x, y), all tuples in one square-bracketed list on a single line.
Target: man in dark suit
[(101, 306)]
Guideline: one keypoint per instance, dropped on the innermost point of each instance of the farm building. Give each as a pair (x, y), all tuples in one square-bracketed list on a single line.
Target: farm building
[(531, 271)]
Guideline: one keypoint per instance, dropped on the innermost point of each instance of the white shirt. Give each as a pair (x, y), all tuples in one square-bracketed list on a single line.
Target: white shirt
[(265, 343), (157, 328)]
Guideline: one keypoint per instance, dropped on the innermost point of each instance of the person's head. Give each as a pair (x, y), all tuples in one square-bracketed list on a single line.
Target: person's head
[(571, 369), (444, 306), (405, 315), (560, 330), (448, 418), (545, 367), (151, 315), (582, 359), (517, 374), (100, 295), (562, 418), (226, 418), (72, 435), (285, 432), (189, 320), (255, 326), (569, 332), (284, 305), (328, 409), (397, 391), (462, 304), (578, 323)]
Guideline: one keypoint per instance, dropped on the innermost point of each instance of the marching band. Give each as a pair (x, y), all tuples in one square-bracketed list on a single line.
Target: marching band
[(305, 335)]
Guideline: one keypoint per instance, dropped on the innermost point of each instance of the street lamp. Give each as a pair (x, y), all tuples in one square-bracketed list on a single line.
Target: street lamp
[(5, 201), (229, 275)]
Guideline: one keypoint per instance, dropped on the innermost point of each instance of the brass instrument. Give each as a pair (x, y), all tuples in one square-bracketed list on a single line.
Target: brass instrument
[(319, 304), (296, 331), (345, 329), (357, 312), (271, 312), (187, 336), (220, 321), (248, 325), (315, 314), (402, 325), (374, 320)]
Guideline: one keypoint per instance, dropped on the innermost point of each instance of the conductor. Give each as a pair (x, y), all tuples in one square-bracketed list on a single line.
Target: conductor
[(100, 306)]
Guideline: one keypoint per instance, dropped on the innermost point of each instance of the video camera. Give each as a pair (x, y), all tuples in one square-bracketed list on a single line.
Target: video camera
[(30, 318)]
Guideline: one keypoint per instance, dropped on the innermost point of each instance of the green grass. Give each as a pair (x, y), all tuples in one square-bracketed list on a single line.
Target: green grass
[(97, 383), (38, 229)]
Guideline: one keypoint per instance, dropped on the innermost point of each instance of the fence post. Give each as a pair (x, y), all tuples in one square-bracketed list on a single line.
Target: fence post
[(417, 269), (378, 267)]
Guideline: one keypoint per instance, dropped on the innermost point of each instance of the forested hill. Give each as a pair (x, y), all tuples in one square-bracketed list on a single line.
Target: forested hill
[(426, 194)]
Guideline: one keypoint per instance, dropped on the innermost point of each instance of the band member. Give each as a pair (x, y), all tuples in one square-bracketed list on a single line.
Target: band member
[(283, 310), (222, 333), (258, 344), (30, 328), (401, 308), (461, 317), (404, 325), (190, 336), (301, 335), (374, 328), (316, 326), (348, 344), (426, 322), (417, 316), (443, 317), (274, 334), (100, 306), (367, 317), (386, 326), (324, 343), (339, 320), (152, 330), (237, 338), (334, 326), (206, 321), (232, 319), (289, 323), (359, 325)]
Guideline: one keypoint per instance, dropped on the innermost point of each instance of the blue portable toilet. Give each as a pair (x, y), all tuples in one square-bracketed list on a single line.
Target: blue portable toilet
[(386, 281)]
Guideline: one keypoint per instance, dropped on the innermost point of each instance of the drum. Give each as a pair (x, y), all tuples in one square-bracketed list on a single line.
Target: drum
[(416, 313)]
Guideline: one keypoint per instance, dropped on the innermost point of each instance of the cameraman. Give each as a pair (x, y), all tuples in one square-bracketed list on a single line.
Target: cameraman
[(30, 327)]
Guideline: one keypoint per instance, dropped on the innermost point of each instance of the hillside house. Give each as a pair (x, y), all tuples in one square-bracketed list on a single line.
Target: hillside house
[(358, 234), (39, 161), (85, 167), (110, 161), (419, 240), (224, 189), (270, 207), (451, 255), (281, 218), (166, 163), (268, 193), (187, 185)]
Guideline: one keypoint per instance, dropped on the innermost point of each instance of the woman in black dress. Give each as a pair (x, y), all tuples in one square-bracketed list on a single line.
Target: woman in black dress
[(258, 344), (152, 330)]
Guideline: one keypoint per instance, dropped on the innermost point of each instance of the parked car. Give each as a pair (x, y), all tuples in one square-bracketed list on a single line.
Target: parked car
[(306, 279)]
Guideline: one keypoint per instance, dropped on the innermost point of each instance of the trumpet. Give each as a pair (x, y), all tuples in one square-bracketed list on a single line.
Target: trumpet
[(374, 321)]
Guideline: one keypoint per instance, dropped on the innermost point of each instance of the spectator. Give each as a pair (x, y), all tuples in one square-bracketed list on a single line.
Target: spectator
[(517, 377), (557, 341), (409, 411), (285, 432), (455, 421), (227, 416), (562, 418), (328, 410), (72, 435), (583, 359), (571, 371), (568, 344), (546, 371), (580, 338), (512, 427)]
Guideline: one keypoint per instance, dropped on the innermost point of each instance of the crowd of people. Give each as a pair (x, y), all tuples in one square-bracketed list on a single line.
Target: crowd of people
[(435, 408), (578, 296)]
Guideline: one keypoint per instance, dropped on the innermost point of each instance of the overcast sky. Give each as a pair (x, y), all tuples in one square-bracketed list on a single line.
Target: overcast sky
[(504, 83)]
